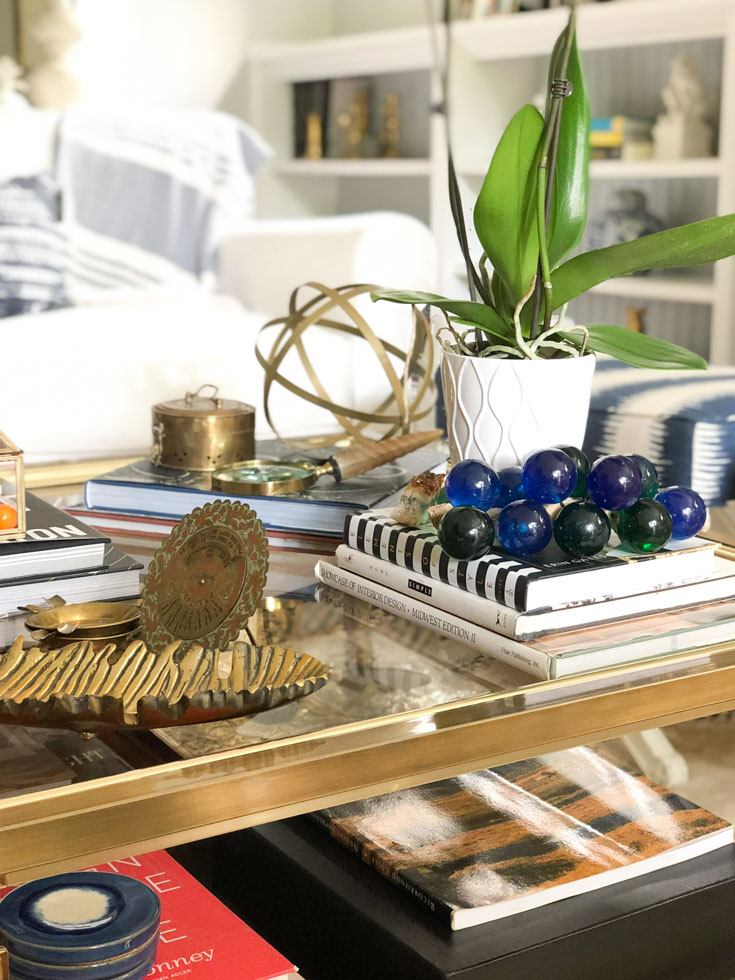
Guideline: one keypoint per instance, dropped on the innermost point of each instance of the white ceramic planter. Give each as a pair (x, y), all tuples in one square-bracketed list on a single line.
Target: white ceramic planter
[(502, 410)]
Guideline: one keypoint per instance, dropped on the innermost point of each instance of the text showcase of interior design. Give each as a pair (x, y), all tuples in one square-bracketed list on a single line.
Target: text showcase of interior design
[(367, 489)]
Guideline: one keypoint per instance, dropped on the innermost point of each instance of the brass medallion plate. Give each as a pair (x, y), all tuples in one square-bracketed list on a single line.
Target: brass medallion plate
[(207, 579)]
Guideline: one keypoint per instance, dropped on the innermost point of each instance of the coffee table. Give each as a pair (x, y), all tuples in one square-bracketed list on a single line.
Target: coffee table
[(405, 707)]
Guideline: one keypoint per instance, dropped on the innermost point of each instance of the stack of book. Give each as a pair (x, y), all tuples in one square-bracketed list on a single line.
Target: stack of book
[(620, 137), (139, 504), (550, 615), (61, 555)]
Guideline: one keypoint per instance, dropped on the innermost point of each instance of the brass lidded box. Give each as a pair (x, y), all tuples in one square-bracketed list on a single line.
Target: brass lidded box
[(202, 433)]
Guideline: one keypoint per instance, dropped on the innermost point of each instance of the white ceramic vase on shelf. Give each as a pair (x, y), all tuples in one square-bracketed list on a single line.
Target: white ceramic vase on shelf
[(500, 410)]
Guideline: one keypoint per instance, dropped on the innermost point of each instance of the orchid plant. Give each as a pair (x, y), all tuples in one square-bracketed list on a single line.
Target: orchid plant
[(529, 217)]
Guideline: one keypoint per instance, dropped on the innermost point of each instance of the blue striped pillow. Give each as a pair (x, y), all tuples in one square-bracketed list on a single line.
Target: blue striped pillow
[(32, 247)]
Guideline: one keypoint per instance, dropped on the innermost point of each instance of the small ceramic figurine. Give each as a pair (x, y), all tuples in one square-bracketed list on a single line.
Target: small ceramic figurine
[(682, 130), (628, 220)]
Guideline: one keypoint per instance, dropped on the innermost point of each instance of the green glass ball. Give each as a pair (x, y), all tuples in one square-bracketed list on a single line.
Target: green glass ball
[(582, 465), (466, 533), (441, 497), (645, 527), (649, 475), (581, 529)]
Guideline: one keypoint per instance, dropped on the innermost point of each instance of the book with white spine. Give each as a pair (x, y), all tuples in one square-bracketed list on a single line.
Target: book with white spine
[(561, 655), (550, 580), (518, 625)]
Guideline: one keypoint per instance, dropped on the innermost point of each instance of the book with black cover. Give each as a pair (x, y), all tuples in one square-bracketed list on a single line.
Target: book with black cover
[(86, 758), (143, 488), (309, 97), (117, 578), (54, 542), (549, 580), (501, 841), (26, 766)]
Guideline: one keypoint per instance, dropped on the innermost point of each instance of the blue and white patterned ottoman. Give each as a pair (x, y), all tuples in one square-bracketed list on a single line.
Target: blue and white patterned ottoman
[(683, 421)]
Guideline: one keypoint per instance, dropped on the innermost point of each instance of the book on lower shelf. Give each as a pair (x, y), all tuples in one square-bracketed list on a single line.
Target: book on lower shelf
[(503, 841), (35, 759), (143, 488), (549, 580), (199, 936), (26, 766), (580, 651)]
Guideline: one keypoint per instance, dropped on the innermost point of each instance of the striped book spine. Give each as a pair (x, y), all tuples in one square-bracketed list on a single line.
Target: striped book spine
[(497, 577)]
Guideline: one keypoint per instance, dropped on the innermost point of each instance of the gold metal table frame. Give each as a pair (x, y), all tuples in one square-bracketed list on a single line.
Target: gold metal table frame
[(89, 823)]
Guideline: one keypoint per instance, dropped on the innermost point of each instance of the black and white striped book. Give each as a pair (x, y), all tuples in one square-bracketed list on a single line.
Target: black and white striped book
[(550, 580)]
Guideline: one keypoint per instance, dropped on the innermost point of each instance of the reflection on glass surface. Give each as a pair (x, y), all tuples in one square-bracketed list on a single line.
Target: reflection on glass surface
[(383, 665)]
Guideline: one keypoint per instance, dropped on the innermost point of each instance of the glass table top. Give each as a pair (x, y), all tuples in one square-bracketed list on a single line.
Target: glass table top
[(403, 706)]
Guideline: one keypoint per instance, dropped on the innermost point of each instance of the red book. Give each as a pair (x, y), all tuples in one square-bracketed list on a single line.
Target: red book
[(200, 937)]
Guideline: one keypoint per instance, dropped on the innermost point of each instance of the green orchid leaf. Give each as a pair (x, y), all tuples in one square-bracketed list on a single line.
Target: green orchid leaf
[(568, 212), (693, 244), (637, 348), (504, 215), (478, 314)]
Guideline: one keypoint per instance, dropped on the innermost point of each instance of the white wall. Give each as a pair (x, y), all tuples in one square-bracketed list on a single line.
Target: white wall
[(182, 53)]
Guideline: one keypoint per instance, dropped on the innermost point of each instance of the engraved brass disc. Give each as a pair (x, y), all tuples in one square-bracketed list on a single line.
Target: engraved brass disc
[(207, 579)]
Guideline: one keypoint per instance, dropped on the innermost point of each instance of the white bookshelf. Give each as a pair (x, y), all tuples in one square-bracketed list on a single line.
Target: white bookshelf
[(403, 167), (498, 64), (667, 288)]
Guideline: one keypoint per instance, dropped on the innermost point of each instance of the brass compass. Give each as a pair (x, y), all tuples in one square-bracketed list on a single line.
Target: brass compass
[(207, 579)]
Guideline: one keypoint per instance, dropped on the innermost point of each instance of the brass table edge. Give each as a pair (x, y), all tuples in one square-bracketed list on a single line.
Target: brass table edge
[(44, 831), (191, 767)]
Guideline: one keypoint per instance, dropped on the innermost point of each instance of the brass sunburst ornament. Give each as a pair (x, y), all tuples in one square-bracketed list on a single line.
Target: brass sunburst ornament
[(207, 579)]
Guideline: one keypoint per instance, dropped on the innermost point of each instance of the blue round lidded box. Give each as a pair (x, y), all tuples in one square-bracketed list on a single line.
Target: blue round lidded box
[(101, 926)]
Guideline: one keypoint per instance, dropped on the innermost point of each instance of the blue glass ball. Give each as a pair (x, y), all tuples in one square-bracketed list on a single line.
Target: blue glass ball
[(649, 475), (466, 533), (687, 509), (471, 483), (614, 482), (549, 476), (524, 527), (511, 487)]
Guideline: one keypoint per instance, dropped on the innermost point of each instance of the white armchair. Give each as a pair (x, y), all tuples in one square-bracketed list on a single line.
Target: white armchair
[(86, 376)]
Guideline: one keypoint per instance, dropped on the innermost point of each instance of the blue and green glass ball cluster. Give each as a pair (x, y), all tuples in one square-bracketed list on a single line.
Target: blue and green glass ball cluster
[(619, 491)]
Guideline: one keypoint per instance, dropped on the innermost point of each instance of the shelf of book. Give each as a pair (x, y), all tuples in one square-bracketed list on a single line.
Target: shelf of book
[(253, 771), (672, 289), (600, 27)]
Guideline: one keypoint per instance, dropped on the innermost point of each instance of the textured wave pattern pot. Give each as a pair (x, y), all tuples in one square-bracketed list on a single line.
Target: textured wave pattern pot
[(500, 410)]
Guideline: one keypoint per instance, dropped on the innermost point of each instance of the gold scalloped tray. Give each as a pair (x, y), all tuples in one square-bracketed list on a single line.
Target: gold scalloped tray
[(87, 686)]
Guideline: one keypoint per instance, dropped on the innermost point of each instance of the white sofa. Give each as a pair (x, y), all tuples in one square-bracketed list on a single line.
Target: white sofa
[(81, 380)]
